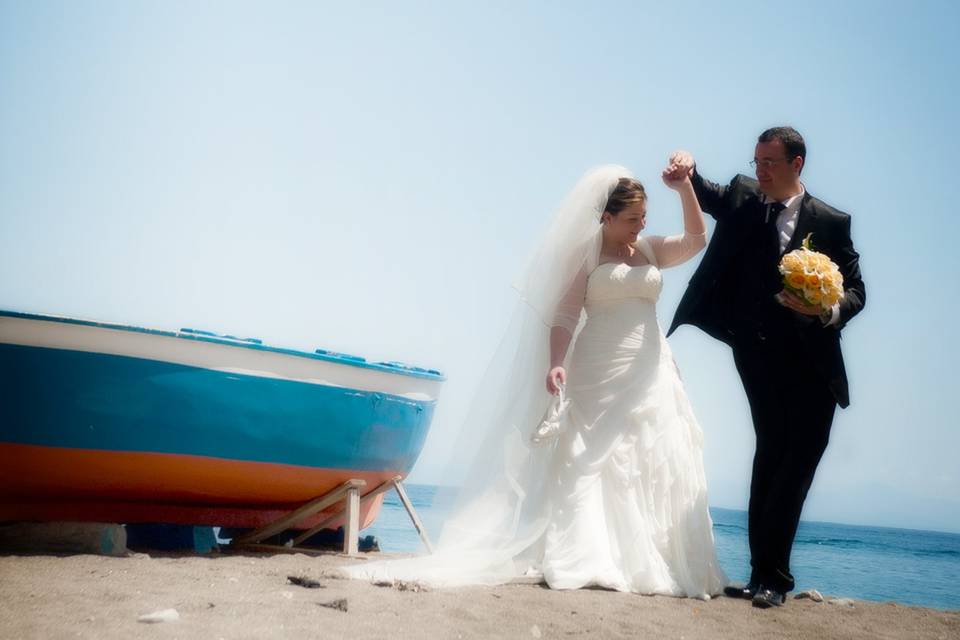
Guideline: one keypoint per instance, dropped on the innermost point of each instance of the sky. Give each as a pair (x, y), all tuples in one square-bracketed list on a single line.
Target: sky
[(369, 178)]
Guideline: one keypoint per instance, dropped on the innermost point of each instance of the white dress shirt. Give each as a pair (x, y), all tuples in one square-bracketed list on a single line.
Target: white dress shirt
[(787, 220)]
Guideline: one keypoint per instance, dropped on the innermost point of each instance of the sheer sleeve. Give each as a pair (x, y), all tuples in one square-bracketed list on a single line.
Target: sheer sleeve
[(673, 250), (568, 309)]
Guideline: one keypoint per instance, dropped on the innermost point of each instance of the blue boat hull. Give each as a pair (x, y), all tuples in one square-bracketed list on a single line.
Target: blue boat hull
[(87, 400), (116, 423)]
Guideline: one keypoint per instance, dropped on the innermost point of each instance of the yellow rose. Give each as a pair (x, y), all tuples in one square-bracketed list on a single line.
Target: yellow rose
[(791, 262), (833, 279), (823, 262), (796, 280), (812, 281)]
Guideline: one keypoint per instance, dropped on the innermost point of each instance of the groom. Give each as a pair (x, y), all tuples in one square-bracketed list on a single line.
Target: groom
[(787, 354)]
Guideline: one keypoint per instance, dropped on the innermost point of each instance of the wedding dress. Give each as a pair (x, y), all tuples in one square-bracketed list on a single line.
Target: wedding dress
[(619, 499)]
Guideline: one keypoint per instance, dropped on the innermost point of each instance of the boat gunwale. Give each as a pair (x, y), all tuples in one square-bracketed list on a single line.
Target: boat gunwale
[(343, 359)]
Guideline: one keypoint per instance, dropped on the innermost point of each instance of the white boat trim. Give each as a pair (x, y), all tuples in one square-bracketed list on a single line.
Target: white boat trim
[(215, 356)]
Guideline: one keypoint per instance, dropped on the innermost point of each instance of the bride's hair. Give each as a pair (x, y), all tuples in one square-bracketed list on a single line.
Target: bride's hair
[(627, 192)]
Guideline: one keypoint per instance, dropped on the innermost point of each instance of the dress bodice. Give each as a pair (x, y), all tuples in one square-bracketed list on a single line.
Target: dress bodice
[(617, 281)]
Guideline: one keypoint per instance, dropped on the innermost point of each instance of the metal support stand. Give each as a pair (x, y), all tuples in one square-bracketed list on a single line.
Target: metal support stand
[(349, 491), (398, 485)]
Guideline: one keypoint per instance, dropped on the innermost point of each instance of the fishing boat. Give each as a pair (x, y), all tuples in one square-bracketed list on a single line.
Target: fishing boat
[(105, 422)]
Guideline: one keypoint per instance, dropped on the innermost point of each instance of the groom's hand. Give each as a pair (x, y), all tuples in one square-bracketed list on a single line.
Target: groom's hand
[(793, 302)]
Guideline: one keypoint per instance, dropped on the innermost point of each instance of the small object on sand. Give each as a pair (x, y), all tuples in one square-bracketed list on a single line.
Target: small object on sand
[(842, 602), (332, 574), (339, 605), (287, 594), (535, 631), (813, 594), (164, 615), (305, 582), (401, 585)]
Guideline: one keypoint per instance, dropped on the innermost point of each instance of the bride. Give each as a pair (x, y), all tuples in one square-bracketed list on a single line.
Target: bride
[(616, 496)]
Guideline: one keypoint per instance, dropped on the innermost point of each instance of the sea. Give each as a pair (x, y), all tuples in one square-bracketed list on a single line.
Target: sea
[(882, 564)]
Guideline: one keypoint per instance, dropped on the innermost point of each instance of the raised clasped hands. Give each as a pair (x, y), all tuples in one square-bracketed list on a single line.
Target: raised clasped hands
[(679, 169)]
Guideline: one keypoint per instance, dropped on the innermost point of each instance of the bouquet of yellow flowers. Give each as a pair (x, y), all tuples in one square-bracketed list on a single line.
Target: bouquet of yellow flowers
[(812, 276)]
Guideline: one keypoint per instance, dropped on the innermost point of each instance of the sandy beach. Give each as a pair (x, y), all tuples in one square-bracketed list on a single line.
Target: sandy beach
[(249, 596)]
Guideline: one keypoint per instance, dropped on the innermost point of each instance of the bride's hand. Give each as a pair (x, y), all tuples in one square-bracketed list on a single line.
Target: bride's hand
[(556, 378), (673, 182)]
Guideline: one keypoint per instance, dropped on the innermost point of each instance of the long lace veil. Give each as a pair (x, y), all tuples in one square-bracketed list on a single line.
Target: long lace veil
[(501, 510)]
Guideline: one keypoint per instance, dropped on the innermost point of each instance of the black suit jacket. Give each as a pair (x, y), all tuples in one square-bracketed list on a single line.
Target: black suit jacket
[(738, 209)]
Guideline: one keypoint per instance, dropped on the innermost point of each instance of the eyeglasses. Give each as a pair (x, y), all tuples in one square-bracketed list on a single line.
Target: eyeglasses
[(766, 164)]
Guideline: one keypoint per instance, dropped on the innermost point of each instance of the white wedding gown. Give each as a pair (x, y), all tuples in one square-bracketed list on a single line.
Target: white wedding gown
[(620, 499)]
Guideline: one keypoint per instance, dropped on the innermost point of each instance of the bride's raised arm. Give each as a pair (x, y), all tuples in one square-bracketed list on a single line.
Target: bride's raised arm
[(673, 250)]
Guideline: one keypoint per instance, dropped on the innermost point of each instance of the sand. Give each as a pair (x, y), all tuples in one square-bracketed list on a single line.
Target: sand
[(248, 596)]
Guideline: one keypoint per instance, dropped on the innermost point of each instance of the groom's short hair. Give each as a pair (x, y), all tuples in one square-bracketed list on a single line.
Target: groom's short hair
[(791, 139)]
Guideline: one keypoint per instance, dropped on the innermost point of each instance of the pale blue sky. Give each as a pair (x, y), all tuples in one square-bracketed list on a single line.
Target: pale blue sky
[(369, 179)]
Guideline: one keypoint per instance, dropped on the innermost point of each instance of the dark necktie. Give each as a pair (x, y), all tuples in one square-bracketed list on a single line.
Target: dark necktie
[(774, 212)]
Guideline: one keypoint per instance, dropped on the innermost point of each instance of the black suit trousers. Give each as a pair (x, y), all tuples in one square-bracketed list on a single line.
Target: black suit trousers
[(792, 409)]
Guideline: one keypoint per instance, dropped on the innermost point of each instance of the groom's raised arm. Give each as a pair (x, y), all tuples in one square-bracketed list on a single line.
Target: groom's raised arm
[(713, 198)]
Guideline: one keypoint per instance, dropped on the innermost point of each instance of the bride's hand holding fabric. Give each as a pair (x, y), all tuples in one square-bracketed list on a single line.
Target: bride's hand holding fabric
[(556, 378)]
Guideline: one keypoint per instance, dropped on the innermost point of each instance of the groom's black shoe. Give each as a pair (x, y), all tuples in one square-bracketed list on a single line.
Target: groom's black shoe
[(766, 597), (745, 591)]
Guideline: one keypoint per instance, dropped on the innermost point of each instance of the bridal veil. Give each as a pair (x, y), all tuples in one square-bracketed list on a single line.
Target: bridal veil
[(501, 511)]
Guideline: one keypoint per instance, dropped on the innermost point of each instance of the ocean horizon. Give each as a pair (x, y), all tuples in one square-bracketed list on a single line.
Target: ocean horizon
[(880, 564)]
